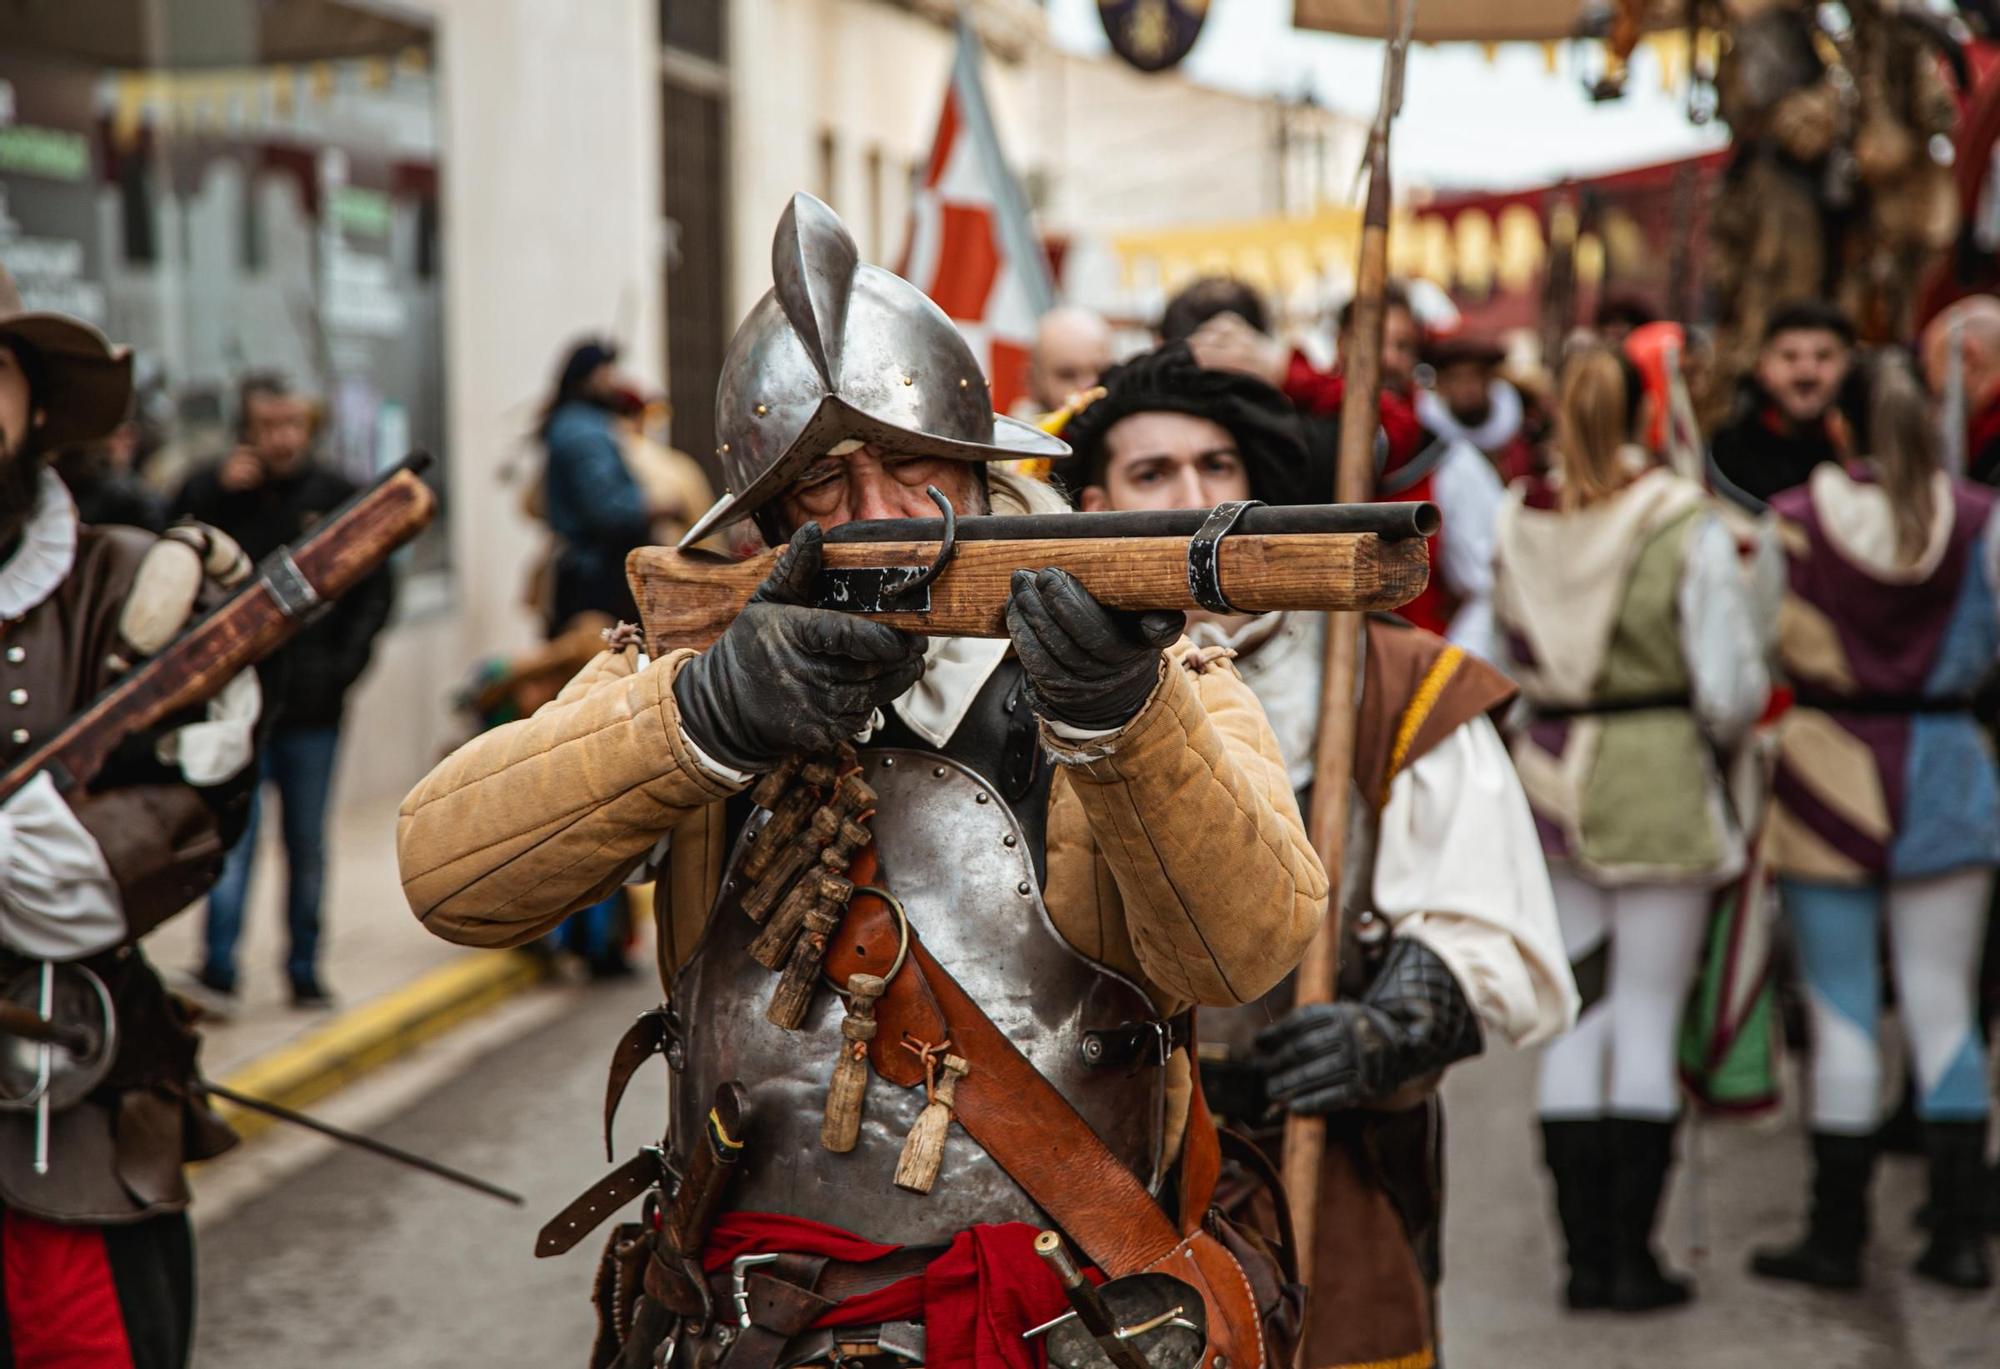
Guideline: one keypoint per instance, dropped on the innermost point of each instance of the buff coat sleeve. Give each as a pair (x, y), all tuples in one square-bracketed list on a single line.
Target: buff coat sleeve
[(1190, 809), (527, 823)]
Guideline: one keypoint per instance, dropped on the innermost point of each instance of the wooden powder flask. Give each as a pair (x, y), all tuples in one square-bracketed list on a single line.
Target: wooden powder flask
[(923, 1149), (769, 791), (773, 944), (772, 947), (845, 1091), (793, 995), (917, 575), (791, 805), (791, 862), (850, 796)]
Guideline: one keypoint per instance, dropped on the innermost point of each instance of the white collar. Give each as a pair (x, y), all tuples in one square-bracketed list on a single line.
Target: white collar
[(47, 551), (1244, 639), (955, 670), (1503, 417)]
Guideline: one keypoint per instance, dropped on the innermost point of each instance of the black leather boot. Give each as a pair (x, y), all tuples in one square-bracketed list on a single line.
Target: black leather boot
[(1641, 1155), (1956, 1256), (1829, 1255), (1576, 1156)]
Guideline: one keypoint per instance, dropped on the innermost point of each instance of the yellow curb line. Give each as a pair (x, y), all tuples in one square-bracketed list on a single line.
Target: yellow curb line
[(367, 1037)]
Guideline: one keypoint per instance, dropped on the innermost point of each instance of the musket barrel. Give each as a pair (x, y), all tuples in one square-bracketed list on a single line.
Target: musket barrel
[(1392, 522)]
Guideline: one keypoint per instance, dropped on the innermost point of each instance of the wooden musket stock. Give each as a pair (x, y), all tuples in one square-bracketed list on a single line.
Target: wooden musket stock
[(1321, 557), (264, 613)]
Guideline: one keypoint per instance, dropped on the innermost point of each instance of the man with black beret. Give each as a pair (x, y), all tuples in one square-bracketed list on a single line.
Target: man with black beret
[(1448, 926)]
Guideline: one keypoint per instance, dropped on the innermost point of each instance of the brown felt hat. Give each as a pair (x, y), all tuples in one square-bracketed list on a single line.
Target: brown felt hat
[(83, 383)]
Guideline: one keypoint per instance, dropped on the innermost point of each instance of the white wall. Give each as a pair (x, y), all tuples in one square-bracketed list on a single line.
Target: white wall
[(874, 74), (550, 162), (1114, 149)]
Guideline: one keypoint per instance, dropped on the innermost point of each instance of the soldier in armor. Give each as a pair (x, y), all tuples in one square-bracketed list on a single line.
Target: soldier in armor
[(94, 1238), (1449, 928), (1035, 856)]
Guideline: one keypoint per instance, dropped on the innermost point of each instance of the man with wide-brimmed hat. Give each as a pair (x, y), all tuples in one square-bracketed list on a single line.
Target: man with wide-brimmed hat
[(1082, 831), (1449, 929), (94, 1239)]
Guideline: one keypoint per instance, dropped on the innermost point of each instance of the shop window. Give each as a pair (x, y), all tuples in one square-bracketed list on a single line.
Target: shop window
[(234, 187)]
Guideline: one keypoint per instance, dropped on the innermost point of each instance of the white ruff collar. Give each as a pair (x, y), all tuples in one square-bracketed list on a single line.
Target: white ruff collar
[(47, 551), (955, 669), (1503, 417)]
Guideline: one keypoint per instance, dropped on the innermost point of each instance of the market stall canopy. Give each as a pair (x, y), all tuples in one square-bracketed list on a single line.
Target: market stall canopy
[(208, 33), (1488, 21)]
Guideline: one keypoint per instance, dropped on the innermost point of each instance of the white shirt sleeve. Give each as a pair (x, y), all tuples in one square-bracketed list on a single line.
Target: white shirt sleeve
[(1458, 866), (57, 898), (1468, 493), (1720, 639)]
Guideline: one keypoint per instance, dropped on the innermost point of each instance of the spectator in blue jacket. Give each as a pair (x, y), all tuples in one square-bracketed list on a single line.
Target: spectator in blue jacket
[(593, 505)]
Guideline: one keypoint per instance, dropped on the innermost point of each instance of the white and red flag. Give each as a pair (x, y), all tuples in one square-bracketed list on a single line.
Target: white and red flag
[(972, 247)]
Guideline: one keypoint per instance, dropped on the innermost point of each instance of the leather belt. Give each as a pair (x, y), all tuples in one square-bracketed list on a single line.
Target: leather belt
[(776, 1298), (644, 1039), (643, 1171), (1884, 705), (1597, 708)]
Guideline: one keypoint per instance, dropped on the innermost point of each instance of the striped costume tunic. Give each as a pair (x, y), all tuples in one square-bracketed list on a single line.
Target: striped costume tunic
[(1883, 772)]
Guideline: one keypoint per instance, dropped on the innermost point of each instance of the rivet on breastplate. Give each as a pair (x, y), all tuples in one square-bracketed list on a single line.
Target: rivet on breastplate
[(676, 1056), (937, 772), (1023, 889), (982, 797), (888, 762), (1010, 841), (16, 655)]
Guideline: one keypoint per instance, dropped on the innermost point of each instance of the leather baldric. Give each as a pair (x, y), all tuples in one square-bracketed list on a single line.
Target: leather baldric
[(1045, 1147)]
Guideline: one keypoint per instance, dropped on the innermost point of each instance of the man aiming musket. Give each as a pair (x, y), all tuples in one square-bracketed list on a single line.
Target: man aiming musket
[(933, 913)]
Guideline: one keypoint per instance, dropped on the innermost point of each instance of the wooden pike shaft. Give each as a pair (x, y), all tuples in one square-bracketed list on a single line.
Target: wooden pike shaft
[(1333, 755)]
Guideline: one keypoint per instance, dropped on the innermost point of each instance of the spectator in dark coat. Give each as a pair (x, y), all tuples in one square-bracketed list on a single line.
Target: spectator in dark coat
[(1787, 417), (593, 504), (268, 492)]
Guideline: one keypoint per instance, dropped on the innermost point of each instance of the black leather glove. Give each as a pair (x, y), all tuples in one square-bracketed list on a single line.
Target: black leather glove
[(1087, 665), (1413, 1021), (785, 678)]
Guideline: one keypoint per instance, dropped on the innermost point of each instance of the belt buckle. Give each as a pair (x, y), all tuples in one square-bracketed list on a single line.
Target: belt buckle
[(739, 1269)]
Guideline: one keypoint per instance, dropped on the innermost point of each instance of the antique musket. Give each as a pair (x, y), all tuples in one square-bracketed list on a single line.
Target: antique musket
[(287, 589), (950, 576)]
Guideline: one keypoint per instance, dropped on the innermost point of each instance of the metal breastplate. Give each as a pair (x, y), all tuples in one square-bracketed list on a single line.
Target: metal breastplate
[(954, 853)]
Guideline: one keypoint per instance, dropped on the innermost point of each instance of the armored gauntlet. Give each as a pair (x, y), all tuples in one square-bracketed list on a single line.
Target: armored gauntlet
[(1087, 665), (786, 678)]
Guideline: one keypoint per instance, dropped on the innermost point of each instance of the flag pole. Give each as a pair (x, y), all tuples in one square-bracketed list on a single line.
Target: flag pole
[(1333, 755)]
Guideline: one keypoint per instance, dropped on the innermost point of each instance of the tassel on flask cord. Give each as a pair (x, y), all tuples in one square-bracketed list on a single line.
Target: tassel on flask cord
[(923, 1149), (841, 1128)]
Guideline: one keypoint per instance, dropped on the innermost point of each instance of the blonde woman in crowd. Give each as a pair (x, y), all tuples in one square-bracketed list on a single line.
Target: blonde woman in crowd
[(1628, 624)]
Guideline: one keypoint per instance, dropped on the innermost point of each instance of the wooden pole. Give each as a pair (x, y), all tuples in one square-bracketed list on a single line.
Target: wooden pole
[(1333, 755)]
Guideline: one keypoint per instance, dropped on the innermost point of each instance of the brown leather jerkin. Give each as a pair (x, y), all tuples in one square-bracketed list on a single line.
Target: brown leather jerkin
[(1029, 1129)]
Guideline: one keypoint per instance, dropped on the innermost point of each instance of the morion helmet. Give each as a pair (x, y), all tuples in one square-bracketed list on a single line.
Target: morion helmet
[(840, 350)]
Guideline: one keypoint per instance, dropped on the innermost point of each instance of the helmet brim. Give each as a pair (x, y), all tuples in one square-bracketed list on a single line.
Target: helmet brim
[(838, 421)]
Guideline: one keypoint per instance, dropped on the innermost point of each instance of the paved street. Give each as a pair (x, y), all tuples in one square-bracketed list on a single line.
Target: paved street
[(352, 1262)]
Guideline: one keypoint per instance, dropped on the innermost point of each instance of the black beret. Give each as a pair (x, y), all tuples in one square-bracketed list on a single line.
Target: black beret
[(1269, 436)]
